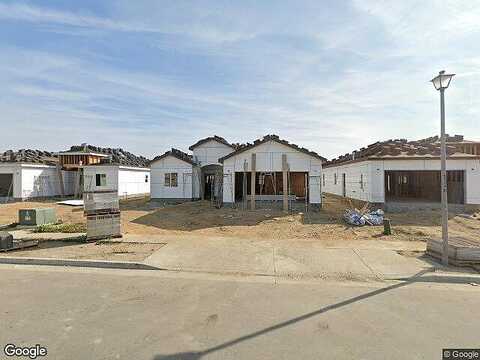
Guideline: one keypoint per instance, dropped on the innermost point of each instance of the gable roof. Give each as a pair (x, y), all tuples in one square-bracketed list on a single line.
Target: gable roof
[(244, 147), (176, 154), (115, 156), (404, 149), (29, 156), (210, 138)]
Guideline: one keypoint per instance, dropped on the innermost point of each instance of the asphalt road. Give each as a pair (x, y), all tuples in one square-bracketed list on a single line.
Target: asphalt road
[(119, 314)]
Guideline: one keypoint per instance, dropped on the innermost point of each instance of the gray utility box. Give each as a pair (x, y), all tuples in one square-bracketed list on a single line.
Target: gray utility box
[(37, 216)]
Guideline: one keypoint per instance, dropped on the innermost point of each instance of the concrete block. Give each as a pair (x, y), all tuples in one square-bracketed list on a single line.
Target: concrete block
[(103, 226), (98, 201), (6, 240)]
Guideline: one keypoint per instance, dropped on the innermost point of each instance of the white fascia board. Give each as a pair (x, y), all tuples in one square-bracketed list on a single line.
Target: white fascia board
[(43, 166), (133, 168)]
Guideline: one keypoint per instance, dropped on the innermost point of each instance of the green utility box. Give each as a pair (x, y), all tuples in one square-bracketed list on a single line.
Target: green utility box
[(37, 216)]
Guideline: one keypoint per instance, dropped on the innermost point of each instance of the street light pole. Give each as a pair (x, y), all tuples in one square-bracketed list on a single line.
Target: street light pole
[(441, 82), (443, 150)]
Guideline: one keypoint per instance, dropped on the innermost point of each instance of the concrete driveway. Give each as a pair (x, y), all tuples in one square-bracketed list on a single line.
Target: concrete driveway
[(369, 260)]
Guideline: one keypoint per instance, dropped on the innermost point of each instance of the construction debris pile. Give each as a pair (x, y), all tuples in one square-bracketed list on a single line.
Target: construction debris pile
[(116, 156), (364, 216), (29, 156)]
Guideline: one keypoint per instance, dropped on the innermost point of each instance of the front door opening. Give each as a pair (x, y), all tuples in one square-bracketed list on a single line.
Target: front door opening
[(209, 183)]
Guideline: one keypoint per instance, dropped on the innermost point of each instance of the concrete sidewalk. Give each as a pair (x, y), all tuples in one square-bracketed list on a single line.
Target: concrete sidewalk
[(291, 259)]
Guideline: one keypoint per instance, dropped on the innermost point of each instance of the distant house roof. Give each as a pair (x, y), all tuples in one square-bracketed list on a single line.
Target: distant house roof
[(176, 154), (404, 149), (29, 156), (244, 147), (114, 156), (210, 138)]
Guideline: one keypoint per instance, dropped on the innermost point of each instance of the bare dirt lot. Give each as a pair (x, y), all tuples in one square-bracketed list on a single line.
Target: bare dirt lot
[(147, 219)]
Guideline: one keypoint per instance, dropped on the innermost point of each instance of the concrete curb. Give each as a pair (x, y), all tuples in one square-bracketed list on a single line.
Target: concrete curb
[(103, 264)]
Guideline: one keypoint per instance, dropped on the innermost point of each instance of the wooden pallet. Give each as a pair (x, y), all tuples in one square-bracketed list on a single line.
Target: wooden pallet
[(461, 251)]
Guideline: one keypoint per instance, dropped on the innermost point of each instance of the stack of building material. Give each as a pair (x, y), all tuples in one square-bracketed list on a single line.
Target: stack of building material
[(29, 156), (461, 251), (103, 214), (397, 148), (115, 156)]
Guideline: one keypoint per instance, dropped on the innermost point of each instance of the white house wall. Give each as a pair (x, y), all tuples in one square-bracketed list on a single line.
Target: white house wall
[(133, 181), (269, 159), (69, 178), (43, 181), (197, 173), (374, 177), (187, 179), (89, 177), (472, 180), (209, 152), (353, 173)]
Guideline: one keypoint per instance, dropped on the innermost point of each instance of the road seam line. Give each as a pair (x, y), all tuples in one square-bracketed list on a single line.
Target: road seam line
[(274, 266), (368, 266)]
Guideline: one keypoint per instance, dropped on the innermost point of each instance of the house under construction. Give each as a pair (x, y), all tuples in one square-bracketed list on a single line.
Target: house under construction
[(281, 172), (401, 174), (26, 174), (95, 168)]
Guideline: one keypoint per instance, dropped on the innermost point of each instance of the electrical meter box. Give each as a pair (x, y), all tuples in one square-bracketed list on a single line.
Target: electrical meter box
[(37, 216)]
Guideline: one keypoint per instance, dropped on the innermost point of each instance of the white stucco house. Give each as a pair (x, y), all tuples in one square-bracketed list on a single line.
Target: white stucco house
[(272, 158), (219, 170), (129, 181), (116, 170), (399, 175), (207, 153), (27, 174), (175, 177), (178, 176)]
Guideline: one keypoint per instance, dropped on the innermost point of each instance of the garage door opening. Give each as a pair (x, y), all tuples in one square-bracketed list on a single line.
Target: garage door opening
[(269, 185), (423, 186), (6, 185)]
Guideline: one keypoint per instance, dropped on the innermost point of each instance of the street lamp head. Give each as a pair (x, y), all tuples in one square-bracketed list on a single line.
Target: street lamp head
[(442, 80)]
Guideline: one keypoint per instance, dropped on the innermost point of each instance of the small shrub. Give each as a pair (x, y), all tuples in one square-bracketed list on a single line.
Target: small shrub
[(61, 228)]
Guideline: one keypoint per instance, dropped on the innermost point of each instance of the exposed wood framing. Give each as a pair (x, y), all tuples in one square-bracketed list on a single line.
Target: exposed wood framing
[(252, 187), (285, 182)]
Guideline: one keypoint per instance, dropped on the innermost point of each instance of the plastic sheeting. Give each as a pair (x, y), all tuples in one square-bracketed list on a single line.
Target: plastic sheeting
[(356, 218)]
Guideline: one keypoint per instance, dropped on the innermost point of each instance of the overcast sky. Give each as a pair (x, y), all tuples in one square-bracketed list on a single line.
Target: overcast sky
[(149, 75)]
